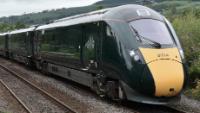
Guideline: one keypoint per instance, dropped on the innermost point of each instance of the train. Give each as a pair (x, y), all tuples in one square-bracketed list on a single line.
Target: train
[(128, 52)]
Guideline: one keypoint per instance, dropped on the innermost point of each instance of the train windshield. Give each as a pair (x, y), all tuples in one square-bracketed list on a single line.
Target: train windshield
[(152, 30)]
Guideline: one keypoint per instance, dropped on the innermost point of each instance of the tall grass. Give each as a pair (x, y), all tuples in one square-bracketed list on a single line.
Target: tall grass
[(188, 29)]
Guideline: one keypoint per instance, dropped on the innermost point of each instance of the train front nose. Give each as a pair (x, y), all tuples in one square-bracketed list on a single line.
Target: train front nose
[(164, 74)]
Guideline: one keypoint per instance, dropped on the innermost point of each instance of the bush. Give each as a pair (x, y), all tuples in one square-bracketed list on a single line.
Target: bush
[(4, 27), (187, 27)]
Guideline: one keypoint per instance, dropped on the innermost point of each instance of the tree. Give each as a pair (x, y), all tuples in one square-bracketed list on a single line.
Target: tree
[(99, 7), (5, 27), (19, 25)]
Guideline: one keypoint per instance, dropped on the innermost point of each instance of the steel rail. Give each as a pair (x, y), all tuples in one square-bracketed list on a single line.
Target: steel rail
[(41, 90), (15, 96)]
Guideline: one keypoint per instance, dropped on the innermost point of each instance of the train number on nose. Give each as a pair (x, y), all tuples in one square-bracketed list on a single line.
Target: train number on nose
[(163, 55)]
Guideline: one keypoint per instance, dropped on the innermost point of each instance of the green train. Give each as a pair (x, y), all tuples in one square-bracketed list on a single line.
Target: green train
[(128, 52)]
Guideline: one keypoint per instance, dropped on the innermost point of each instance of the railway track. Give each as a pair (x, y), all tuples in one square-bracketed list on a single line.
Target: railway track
[(163, 109), (15, 97), (71, 110)]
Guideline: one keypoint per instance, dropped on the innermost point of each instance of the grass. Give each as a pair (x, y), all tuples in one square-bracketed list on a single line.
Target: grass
[(194, 92), (179, 5)]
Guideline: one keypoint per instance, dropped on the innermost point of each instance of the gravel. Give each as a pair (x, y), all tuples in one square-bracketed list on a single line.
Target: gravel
[(8, 103), (80, 99), (35, 101), (84, 100), (189, 105)]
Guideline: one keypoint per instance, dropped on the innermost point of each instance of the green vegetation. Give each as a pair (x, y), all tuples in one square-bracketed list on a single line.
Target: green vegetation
[(4, 27), (188, 29), (194, 92)]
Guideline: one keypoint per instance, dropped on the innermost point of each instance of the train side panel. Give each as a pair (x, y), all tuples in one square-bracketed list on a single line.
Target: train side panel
[(69, 52), (3, 45), (20, 47)]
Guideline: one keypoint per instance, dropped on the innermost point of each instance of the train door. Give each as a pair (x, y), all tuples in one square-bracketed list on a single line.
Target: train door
[(90, 46), (29, 48)]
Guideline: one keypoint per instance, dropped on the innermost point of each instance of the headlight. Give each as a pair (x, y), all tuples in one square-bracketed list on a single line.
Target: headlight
[(135, 56), (182, 54)]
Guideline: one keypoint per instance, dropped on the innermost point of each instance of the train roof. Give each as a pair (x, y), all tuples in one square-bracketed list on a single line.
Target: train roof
[(121, 13), (22, 30), (125, 13), (3, 34)]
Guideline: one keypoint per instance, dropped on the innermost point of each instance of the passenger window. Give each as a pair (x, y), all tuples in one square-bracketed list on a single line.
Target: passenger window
[(18, 41), (2, 42), (62, 41)]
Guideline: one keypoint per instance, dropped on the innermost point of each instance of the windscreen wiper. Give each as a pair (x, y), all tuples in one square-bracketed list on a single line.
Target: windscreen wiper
[(155, 44), (141, 38)]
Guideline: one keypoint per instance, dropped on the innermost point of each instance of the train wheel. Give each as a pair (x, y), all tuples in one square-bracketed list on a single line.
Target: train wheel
[(99, 85), (115, 90)]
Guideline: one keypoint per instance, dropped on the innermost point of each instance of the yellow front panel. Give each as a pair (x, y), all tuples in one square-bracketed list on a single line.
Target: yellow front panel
[(155, 54), (167, 75), (167, 70)]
